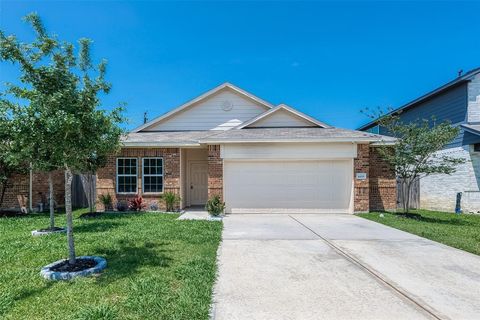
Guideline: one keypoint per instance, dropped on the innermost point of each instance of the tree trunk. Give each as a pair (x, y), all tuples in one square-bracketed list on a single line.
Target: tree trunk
[(404, 200), (407, 199), (68, 210), (50, 190)]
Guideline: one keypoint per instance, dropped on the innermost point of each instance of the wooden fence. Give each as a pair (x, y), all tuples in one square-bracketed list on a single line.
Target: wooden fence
[(79, 198), (414, 195)]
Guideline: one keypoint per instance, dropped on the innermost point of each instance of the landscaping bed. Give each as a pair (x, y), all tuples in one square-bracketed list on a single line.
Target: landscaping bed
[(458, 231), (158, 268), (11, 213)]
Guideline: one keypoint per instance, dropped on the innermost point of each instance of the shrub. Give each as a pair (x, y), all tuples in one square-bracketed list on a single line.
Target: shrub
[(171, 200), (106, 200), (122, 205), (215, 206), (136, 204)]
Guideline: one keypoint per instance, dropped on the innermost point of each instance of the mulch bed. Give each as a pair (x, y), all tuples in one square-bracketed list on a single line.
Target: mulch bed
[(11, 213), (80, 265)]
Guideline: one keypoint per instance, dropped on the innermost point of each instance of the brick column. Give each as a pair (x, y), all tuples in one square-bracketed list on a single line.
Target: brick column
[(215, 171), (383, 183), (361, 187)]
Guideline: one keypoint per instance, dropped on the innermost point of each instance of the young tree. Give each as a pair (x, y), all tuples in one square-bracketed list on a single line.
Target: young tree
[(33, 139), (414, 155), (70, 110)]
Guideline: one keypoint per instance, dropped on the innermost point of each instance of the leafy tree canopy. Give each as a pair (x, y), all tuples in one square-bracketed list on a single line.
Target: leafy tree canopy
[(415, 154), (61, 126)]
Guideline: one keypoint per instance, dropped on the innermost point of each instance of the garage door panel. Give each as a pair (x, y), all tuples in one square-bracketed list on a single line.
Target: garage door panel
[(251, 186)]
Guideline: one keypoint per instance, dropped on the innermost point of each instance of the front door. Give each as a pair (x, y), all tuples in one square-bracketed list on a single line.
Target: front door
[(198, 182)]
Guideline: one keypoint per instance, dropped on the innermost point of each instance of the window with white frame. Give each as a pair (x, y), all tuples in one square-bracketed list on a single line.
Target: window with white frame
[(127, 175), (152, 177)]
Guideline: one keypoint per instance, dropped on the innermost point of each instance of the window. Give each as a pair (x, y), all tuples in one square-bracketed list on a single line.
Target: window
[(476, 147), (127, 175), (152, 175)]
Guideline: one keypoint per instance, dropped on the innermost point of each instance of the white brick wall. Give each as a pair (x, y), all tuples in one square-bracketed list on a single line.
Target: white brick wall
[(438, 192), (474, 99)]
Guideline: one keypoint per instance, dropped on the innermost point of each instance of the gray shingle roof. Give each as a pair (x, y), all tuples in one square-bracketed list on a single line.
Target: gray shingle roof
[(293, 134), (195, 138), (165, 138)]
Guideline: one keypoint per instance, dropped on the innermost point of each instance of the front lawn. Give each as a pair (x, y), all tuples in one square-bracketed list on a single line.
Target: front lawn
[(158, 268), (459, 231)]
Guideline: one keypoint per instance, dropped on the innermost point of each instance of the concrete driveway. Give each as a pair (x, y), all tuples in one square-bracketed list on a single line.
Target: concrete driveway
[(327, 266)]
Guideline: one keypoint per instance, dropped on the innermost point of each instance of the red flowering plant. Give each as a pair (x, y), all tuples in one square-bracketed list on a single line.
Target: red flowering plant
[(136, 204)]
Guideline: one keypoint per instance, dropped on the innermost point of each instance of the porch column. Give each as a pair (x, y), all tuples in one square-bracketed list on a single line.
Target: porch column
[(215, 171)]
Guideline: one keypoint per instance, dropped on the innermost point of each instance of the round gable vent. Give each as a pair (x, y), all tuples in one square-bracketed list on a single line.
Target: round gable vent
[(227, 105)]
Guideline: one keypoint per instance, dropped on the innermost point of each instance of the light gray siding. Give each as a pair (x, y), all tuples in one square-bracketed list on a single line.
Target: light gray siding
[(222, 111), (474, 100)]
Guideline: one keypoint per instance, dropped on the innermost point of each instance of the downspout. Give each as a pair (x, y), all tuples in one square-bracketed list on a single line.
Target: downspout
[(30, 188)]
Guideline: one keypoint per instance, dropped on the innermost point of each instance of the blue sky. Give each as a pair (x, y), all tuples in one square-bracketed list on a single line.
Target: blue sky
[(329, 60)]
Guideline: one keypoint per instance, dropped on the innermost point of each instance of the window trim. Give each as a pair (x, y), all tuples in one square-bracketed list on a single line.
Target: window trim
[(152, 175), (126, 175)]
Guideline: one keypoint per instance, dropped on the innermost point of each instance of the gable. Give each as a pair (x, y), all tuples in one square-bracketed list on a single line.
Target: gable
[(282, 118), (222, 110)]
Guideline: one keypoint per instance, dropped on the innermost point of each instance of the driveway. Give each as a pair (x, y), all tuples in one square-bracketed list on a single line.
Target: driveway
[(327, 266)]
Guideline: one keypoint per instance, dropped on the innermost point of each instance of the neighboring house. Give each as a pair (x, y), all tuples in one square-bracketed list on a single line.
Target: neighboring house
[(459, 103), (34, 188), (258, 157)]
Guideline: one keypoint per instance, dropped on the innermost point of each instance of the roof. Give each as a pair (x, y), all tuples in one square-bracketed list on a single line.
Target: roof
[(287, 108), (462, 79), (472, 128), (165, 138), (196, 138), (203, 97), (293, 135)]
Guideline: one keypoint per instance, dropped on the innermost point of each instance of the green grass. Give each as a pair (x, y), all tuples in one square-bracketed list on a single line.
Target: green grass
[(158, 268), (459, 231)]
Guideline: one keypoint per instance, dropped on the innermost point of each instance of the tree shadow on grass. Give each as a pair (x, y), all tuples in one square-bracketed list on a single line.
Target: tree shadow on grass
[(126, 258), (449, 220), (8, 300), (97, 226)]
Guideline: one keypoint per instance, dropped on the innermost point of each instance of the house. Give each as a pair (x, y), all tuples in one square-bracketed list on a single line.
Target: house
[(258, 157), (459, 103), (34, 188)]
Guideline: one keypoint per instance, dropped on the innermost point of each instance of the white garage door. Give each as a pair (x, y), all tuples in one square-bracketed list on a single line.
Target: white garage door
[(288, 186)]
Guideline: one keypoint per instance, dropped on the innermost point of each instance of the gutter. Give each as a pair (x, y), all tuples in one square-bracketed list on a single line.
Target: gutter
[(467, 127), (353, 140), (160, 144)]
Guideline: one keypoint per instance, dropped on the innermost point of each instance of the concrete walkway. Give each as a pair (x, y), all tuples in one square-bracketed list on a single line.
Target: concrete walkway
[(339, 267)]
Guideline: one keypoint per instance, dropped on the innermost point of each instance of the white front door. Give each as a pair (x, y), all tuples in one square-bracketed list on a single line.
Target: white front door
[(198, 182)]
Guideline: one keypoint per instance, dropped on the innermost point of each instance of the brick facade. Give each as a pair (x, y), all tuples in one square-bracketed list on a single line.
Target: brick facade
[(215, 171), (361, 164), (106, 177), (19, 185), (379, 190), (376, 192), (383, 183)]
